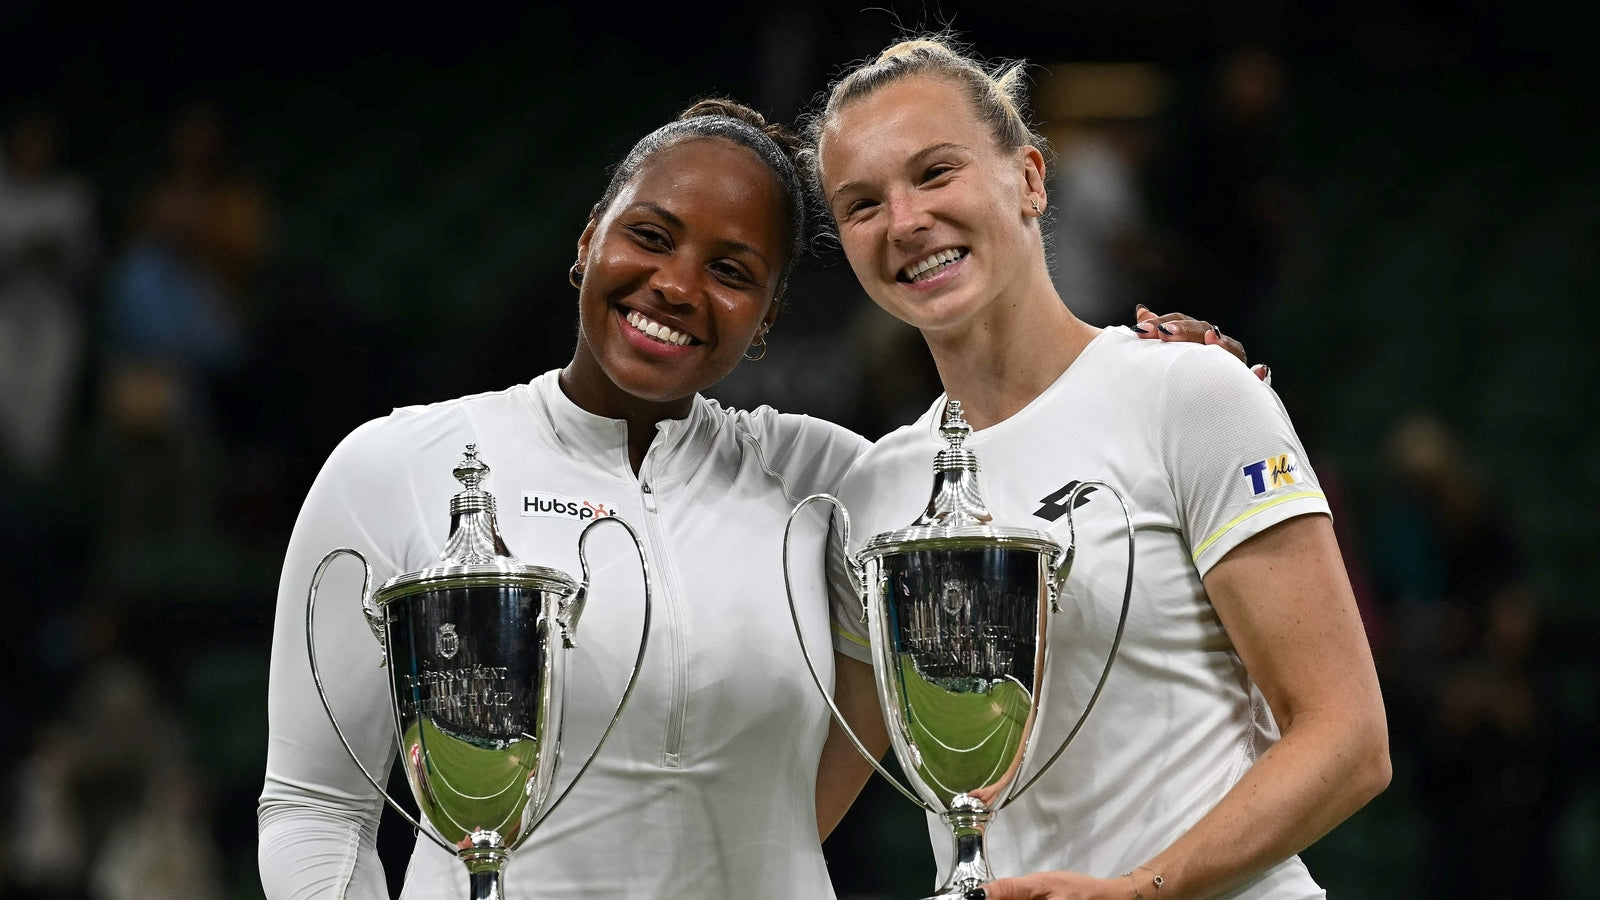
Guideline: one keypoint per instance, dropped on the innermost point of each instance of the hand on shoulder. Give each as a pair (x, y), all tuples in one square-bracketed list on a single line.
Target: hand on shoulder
[(1151, 326)]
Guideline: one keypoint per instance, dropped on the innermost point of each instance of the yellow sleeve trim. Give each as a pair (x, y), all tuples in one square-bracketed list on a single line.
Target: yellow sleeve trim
[(852, 638), (1254, 510)]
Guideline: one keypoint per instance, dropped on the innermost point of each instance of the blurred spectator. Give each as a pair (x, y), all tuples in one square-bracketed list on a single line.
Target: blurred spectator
[(49, 250), (179, 293), (1233, 199), (49, 257), (177, 323), (1104, 253), (107, 805), (1471, 705)]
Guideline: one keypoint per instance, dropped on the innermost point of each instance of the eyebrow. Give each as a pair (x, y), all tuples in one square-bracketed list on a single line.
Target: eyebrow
[(917, 157), (674, 221)]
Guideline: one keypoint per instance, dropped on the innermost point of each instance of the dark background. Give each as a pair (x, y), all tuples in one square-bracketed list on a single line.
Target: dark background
[(425, 172)]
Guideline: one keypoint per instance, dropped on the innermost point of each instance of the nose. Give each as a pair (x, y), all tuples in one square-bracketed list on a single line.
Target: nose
[(907, 215), (675, 280)]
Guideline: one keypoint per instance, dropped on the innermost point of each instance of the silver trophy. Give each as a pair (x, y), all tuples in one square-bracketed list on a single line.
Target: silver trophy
[(958, 613), (476, 649)]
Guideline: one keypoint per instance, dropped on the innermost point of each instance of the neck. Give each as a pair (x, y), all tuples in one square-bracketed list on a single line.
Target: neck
[(999, 364), (592, 391)]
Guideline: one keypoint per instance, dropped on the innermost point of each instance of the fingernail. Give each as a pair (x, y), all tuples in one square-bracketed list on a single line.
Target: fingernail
[(1217, 331), (975, 894), (1165, 330), (1139, 308), (1140, 328)]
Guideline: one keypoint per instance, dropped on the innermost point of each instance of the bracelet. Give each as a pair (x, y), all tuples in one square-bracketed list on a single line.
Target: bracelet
[(1155, 879)]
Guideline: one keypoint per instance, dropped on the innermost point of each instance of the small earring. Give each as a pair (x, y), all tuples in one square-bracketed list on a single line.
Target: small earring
[(760, 344), (1036, 210), (575, 276)]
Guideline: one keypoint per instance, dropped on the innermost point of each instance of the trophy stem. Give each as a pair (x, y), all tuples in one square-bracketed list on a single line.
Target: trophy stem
[(971, 869), (484, 874), (485, 886)]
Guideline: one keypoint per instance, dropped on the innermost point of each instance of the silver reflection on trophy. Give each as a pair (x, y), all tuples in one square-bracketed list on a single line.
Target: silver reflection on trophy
[(958, 613), (476, 680)]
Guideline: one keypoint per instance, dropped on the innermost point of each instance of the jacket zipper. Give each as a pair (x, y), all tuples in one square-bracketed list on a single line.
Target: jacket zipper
[(677, 653)]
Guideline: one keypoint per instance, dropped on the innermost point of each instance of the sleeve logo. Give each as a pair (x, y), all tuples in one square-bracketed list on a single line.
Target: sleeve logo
[(1271, 473)]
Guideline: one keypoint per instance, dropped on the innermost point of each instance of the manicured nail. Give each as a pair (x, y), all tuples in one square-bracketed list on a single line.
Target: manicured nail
[(1140, 328), (975, 894), (1164, 329), (1139, 308), (1217, 331)]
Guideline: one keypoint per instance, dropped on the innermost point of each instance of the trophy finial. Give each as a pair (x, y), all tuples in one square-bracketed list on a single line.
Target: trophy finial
[(955, 428), (956, 500), (471, 471), (474, 533)]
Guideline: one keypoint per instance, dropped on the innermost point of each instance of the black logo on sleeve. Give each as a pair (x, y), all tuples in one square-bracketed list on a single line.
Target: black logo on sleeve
[(1055, 505)]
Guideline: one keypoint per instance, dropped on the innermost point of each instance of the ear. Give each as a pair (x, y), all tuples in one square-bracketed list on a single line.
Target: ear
[(588, 234), (1035, 200), (771, 316)]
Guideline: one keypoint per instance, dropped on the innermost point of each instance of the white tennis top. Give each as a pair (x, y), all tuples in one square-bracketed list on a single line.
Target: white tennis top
[(706, 787), (1205, 457)]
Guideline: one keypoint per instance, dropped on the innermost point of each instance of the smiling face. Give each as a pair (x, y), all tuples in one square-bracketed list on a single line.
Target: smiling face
[(680, 273), (935, 218)]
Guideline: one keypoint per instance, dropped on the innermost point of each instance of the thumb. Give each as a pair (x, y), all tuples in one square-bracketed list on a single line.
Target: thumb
[(1002, 889)]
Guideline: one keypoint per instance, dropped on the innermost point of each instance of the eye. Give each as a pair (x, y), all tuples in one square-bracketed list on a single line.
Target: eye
[(858, 206), (937, 171), (650, 236), (732, 272)]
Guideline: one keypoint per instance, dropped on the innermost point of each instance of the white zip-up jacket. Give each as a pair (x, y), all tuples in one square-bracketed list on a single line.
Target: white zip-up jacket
[(706, 787)]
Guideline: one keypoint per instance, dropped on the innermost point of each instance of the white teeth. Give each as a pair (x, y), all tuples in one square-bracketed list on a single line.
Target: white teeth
[(916, 270), (656, 330)]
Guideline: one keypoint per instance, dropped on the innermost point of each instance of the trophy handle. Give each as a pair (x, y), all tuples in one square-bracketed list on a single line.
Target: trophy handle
[(1058, 581), (861, 594), (567, 618), (368, 609)]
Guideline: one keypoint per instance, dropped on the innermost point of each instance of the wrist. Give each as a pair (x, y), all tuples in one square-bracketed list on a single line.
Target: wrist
[(1146, 883)]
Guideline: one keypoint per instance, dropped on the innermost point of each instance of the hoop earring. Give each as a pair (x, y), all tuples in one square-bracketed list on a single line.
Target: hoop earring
[(575, 276), (760, 344)]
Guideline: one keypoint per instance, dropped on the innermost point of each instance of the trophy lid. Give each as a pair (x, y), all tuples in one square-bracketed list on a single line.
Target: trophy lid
[(956, 516), (475, 554)]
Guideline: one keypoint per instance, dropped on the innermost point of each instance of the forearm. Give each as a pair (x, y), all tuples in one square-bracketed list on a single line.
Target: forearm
[(1321, 772), (842, 771), (1287, 606)]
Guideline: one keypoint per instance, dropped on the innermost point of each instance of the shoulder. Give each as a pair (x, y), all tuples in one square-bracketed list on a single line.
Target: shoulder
[(807, 454), (1177, 371), (913, 444), (387, 446), (440, 410), (773, 429)]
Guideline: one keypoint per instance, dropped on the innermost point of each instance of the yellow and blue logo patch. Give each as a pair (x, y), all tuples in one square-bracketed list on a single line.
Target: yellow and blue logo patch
[(1271, 473)]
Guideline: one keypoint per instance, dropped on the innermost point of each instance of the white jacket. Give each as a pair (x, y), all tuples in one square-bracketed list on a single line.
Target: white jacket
[(706, 787)]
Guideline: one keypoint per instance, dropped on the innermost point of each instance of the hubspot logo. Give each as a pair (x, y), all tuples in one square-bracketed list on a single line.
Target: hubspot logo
[(539, 504)]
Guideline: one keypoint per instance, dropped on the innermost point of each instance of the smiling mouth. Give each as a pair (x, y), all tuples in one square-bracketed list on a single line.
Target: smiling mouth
[(650, 327), (926, 268)]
